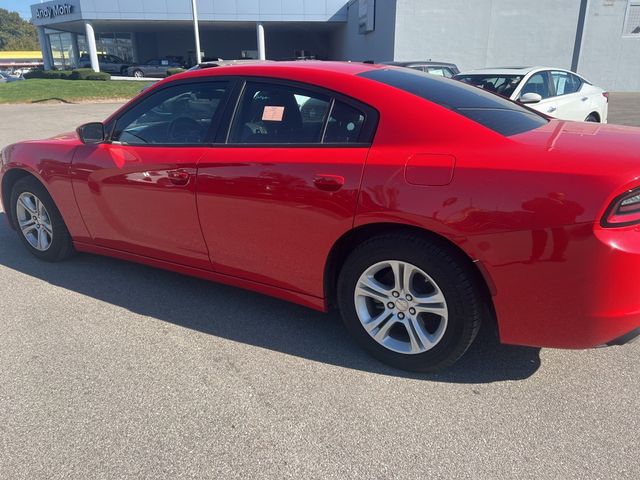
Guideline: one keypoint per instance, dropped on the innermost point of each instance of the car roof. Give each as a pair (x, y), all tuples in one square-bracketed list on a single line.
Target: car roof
[(281, 68), (419, 62), (502, 71)]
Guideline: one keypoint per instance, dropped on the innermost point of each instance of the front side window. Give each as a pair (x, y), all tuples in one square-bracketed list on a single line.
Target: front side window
[(177, 115), (565, 83), (538, 83), (270, 113)]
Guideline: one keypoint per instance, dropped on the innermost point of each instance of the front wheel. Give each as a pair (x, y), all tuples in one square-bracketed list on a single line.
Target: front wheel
[(38, 221), (409, 302)]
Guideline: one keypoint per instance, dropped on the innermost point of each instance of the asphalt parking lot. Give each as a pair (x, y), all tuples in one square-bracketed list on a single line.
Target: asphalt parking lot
[(115, 370)]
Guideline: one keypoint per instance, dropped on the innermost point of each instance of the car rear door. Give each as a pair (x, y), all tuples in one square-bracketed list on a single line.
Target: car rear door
[(136, 193), (572, 105), (282, 185)]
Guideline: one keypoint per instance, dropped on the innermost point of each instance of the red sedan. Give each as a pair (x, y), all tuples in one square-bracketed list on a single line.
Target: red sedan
[(417, 205)]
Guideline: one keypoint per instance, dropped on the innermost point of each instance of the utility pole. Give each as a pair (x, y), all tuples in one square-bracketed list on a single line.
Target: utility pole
[(196, 30)]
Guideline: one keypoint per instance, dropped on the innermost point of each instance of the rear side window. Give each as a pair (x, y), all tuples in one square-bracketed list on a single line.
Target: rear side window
[(565, 83), (492, 111), (271, 113), (345, 124)]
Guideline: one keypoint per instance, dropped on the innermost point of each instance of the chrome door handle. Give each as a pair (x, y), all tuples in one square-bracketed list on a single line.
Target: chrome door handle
[(551, 109)]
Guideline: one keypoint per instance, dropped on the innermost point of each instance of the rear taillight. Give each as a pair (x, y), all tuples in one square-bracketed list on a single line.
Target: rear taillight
[(623, 211), (606, 95)]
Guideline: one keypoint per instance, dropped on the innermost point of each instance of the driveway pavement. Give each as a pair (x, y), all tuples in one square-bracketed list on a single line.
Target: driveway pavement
[(115, 370)]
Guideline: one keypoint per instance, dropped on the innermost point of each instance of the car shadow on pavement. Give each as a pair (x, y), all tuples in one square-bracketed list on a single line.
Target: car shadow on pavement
[(248, 317)]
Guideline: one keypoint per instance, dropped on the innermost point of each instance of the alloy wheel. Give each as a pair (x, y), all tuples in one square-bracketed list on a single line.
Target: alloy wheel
[(34, 221), (401, 307)]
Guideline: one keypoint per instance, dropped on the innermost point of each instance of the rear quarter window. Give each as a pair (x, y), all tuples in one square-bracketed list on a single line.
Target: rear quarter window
[(492, 111)]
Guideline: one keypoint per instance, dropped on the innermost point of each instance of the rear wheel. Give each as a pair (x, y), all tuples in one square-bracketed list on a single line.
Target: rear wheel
[(592, 118), (138, 73), (409, 302), (38, 221)]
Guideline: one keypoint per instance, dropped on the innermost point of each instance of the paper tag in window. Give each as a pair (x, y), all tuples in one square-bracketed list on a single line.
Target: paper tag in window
[(272, 114)]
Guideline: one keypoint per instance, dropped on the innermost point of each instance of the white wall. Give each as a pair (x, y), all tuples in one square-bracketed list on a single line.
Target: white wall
[(608, 59), (481, 33)]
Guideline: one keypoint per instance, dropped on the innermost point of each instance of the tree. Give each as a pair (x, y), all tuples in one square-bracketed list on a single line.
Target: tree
[(16, 33)]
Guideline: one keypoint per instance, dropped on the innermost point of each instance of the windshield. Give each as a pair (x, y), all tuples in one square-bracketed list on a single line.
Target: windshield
[(492, 111), (503, 85)]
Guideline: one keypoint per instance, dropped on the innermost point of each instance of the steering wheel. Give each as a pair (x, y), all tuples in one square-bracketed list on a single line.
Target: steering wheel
[(185, 130)]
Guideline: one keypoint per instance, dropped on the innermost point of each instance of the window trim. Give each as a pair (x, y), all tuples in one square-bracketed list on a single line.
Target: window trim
[(372, 116), (220, 127)]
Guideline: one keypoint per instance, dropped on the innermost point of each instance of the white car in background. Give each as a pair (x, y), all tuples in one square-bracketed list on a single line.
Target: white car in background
[(553, 91)]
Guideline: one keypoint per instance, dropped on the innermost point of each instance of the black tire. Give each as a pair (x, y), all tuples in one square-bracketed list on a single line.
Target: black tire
[(61, 246), (592, 118), (138, 73), (464, 298)]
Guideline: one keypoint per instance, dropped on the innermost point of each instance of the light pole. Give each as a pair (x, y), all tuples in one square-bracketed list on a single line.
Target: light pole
[(196, 30)]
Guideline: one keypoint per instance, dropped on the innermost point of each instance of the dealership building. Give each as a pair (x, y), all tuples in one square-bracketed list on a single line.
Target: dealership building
[(600, 39)]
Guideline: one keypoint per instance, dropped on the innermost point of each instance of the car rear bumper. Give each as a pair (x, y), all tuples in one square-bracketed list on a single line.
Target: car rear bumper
[(586, 296)]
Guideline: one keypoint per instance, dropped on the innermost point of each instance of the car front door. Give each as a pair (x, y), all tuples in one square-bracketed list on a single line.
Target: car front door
[(282, 186), (151, 68), (136, 193), (540, 83)]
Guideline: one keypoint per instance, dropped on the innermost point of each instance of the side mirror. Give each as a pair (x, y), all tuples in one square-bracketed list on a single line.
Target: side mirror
[(91, 132), (530, 98)]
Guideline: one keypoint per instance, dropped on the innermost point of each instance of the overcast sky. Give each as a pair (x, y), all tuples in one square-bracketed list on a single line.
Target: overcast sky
[(20, 6)]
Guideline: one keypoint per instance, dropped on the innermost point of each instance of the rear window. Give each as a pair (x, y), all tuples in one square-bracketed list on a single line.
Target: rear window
[(492, 111)]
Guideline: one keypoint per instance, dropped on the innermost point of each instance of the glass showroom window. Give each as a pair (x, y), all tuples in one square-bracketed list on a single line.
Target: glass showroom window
[(61, 49), (118, 44)]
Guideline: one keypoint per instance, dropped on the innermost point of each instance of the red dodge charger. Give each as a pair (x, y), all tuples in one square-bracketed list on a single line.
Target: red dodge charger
[(417, 205)]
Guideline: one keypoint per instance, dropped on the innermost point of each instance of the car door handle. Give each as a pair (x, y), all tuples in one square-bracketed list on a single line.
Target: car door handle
[(584, 99), (178, 177), (551, 109), (328, 183)]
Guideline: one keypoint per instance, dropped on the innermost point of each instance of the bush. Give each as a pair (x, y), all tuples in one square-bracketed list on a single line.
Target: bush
[(88, 74), (79, 74), (56, 74), (173, 71)]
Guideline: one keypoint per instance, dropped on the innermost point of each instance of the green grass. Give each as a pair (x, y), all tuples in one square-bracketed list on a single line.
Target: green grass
[(40, 90)]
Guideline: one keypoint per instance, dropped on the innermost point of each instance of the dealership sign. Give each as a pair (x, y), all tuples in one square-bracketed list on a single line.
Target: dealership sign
[(55, 10)]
